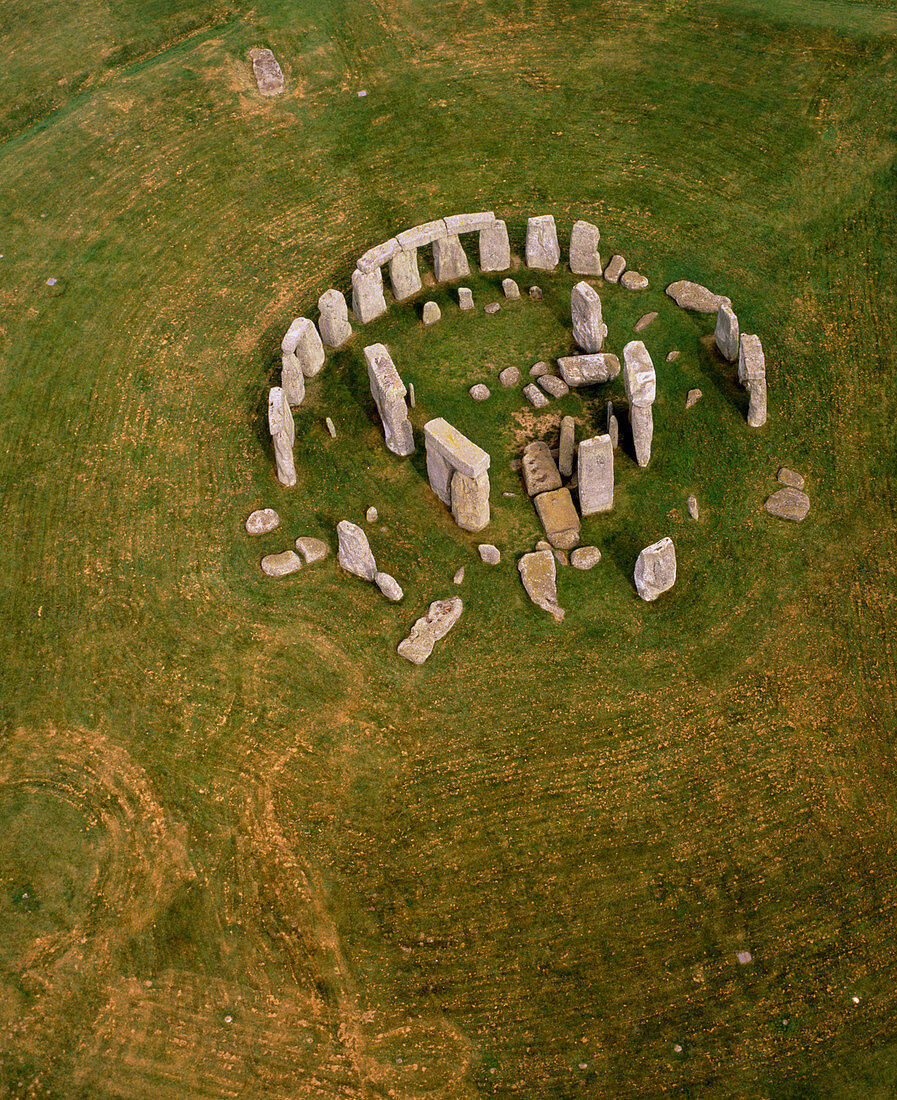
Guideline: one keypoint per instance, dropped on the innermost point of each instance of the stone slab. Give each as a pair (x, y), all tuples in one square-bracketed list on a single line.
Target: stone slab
[(420, 235), (429, 629), (559, 517), (469, 223), (788, 503), (589, 370), (455, 448), (377, 256), (540, 473)]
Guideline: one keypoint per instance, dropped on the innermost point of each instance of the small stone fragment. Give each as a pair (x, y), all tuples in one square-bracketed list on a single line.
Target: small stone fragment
[(538, 572), (692, 398), (267, 72), (559, 518), (312, 549), (354, 551), (542, 248), (540, 474), (371, 515), (693, 296), (333, 323), (589, 330), (743, 957), (493, 307), (535, 396), (584, 258), (489, 554), (790, 478), (427, 631), (459, 576), (633, 280), (540, 368), (553, 385), (726, 334), (389, 586), (655, 569), (788, 503), (508, 495), (615, 268), (589, 370), (567, 446), (280, 565), (692, 505), (535, 292), (495, 247), (329, 425), (431, 313), (510, 376), (465, 297), (262, 521), (479, 392), (646, 319), (672, 356), (510, 288), (585, 557)]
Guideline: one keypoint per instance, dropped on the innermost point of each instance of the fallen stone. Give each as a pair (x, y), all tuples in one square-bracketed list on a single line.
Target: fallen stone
[(459, 576), (788, 503), (354, 551), (692, 398), (509, 495), (540, 474), (495, 248), (538, 572), (333, 322), (552, 385), (371, 515), (633, 280), (489, 554), (510, 376), (589, 370), (535, 292), (655, 569), (378, 255), (589, 330), (388, 391), (469, 223), (283, 435), (615, 268), (566, 446), (449, 259), (479, 392), (389, 586), (788, 477), (595, 474), (404, 274), (585, 557), (693, 296), (692, 505), (429, 629), (672, 356), (646, 319), (330, 426), (534, 395), (267, 72), (262, 521), (542, 248), (493, 307), (726, 334), (312, 549), (540, 368), (431, 313), (465, 297), (559, 518), (510, 288), (584, 258), (613, 426), (420, 235), (368, 302), (280, 565)]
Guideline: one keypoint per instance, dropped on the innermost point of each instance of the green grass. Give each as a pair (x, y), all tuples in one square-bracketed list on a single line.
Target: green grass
[(263, 855)]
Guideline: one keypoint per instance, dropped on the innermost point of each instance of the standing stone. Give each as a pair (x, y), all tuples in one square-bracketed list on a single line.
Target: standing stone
[(534, 395), (641, 420), (459, 576), (389, 586), (354, 551), (559, 517), (692, 505), (302, 356), (752, 375), (431, 313), (589, 370), (465, 297), (427, 631), (371, 515), (510, 288), (404, 274), (333, 324), (613, 427), (584, 258), (389, 391), (615, 268), (495, 248), (470, 501), (540, 474), (538, 573), (640, 383), (655, 570), (726, 332), (588, 328), (367, 295), (283, 435), (449, 454), (595, 471), (688, 295), (542, 248), (262, 521), (566, 446), (449, 259)]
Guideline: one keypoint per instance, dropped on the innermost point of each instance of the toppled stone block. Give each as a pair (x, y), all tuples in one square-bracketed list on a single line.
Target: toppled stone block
[(672, 356), (495, 248), (725, 335), (283, 435), (688, 295), (542, 249), (788, 503), (538, 573), (368, 302), (266, 70), (585, 557), (389, 586), (633, 280), (534, 395), (262, 521), (752, 375), (429, 629), (510, 376), (788, 477), (333, 323), (354, 553), (595, 471), (552, 385), (585, 308), (559, 518), (388, 391), (589, 370), (615, 268), (449, 259), (540, 474), (281, 565), (540, 368), (646, 319), (584, 258), (510, 288), (655, 569), (312, 549), (404, 275)]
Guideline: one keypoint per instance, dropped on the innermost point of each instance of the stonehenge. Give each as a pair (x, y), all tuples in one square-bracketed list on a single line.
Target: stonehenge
[(640, 383), (655, 569), (427, 631), (457, 471), (495, 247), (389, 391), (584, 258), (302, 356), (542, 249), (368, 302), (585, 309), (726, 333), (752, 375), (283, 435), (333, 322), (595, 472)]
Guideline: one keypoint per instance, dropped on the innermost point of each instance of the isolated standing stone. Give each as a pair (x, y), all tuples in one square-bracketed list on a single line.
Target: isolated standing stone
[(588, 328), (404, 274), (566, 446), (640, 382), (788, 503), (389, 391), (655, 569), (267, 72), (540, 474), (367, 295), (752, 375), (389, 586), (693, 296), (553, 385), (333, 324), (427, 631), (534, 395), (615, 268), (633, 280), (431, 313), (542, 248), (595, 471), (262, 521), (538, 573), (302, 356), (495, 248), (692, 505), (465, 297), (559, 518), (283, 435), (584, 258), (354, 551), (281, 565), (510, 288), (726, 333), (449, 259), (589, 370), (312, 549), (510, 376), (585, 557), (489, 554)]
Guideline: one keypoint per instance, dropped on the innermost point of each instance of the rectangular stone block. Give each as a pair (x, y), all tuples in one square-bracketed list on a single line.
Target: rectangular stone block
[(751, 361), (639, 379), (469, 223), (449, 259), (383, 374), (589, 370), (404, 274), (377, 256), (559, 518), (457, 450), (440, 475), (595, 471), (495, 247), (419, 235), (540, 474), (567, 446), (470, 501)]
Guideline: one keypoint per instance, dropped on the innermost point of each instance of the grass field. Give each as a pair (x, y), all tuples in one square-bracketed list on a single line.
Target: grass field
[(245, 849)]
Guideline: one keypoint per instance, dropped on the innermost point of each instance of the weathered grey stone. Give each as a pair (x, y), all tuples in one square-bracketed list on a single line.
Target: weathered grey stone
[(459, 576), (479, 392), (389, 586), (262, 521), (371, 515), (267, 72), (302, 356), (633, 280), (559, 518), (584, 258), (388, 391), (540, 474), (692, 505), (495, 248), (788, 503), (510, 288), (333, 323), (510, 376), (542, 248), (726, 333), (292, 380), (538, 572), (470, 501), (752, 375), (693, 296), (367, 295), (404, 275), (461, 454), (465, 297), (377, 256), (469, 223), (534, 395), (420, 235), (692, 398), (585, 557), (489, 554), (411, 397), (552, 385), (639, 378), (312, 549), (566, 446), (613, 426), (330, 426), (589, 370), (646, 319), (429, 629), (595, 471), (283, 435), (786, 477), (493, 307), (641, 420), (280, 565), (615, 268), (431, 313), (588, 328), (535, 292), (540, 368), (672, 356), (449, 259), (354, 551), (655, 569)]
